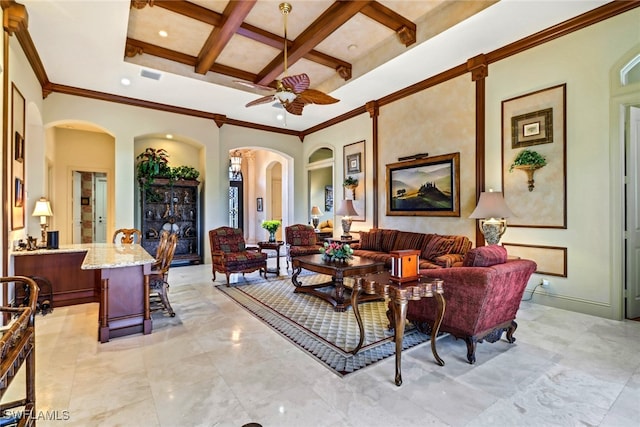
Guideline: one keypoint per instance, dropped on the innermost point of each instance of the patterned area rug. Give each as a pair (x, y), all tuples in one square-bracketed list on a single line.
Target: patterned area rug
[(314, 326)]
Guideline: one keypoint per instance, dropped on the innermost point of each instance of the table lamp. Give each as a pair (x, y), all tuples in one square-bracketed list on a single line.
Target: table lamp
[(492, 211), (347, 211), (43, 210), (315, 214)]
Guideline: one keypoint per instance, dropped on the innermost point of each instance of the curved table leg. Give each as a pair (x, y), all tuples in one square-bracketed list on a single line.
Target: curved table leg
[(294, 277), (436, 326), (355, 293), (399, 316)]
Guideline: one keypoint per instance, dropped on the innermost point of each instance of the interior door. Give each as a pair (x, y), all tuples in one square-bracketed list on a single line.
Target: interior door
[(76, 209), (633, 218), (100, 210)]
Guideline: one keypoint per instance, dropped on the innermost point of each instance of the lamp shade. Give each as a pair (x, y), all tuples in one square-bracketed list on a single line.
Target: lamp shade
[(43, 208), (347, 209), (491, 205), (315, 211)]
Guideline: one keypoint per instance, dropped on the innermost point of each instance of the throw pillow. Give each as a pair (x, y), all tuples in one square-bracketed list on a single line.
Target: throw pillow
[(485, 256), (370, 240), (435, 247)]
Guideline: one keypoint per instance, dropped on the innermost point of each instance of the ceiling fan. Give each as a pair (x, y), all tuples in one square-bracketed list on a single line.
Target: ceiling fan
[(292, 92)]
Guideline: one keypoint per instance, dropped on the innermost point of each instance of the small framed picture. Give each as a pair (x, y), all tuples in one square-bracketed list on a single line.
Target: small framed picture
[(18, 149), (19, 193), (259, 205), (84, 201), (532, 128), (353, 163)]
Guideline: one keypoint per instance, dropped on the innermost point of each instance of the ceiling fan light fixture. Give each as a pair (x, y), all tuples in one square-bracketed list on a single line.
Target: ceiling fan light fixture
[(285, 97)]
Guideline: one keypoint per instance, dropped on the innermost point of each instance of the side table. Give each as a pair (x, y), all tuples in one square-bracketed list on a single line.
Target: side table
[(272, 246), (400, 294)]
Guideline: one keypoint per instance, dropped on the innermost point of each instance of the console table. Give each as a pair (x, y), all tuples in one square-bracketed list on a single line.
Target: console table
[(400, 294)]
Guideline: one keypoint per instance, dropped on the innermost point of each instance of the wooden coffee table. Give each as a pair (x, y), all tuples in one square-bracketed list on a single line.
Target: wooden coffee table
[(338, 271)]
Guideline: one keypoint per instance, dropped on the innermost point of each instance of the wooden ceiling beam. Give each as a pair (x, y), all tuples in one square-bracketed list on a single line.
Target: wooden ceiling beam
[(136, 47), (233, 16), (252, 32), (332, 19), (380, 13)]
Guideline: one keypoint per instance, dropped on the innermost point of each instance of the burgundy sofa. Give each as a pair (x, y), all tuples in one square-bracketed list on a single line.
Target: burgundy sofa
[(482, 297), (436, 251)]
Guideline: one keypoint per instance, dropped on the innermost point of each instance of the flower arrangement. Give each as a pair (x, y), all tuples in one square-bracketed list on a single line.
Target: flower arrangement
[(336, 251), (271, 225)]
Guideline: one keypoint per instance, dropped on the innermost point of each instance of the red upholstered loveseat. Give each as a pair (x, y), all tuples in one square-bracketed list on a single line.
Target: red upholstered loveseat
[(482, 297), (436, 251)]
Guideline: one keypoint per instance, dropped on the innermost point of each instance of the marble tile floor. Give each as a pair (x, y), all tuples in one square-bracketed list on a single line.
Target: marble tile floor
[(216, 365)]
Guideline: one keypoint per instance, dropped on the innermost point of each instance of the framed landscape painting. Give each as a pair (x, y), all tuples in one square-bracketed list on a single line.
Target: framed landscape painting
[(424, 187)]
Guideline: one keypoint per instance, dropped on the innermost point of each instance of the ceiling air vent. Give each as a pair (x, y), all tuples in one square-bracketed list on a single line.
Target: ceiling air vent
[(150, 74)]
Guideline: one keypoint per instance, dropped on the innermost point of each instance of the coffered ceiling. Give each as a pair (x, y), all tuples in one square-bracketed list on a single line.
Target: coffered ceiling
[(356, 51)]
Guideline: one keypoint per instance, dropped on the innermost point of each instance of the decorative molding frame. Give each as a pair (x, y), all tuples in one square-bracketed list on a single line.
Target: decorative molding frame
[(354, 159), (17, 159), (551, 260), (545, 205)]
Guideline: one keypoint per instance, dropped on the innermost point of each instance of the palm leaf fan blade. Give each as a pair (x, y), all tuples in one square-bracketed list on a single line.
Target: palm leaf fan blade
[(312, 96), (263, 100), (297, 83)]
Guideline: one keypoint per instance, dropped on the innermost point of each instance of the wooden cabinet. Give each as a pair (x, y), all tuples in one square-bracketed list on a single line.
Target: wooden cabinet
[(172, 206), (70, 284)]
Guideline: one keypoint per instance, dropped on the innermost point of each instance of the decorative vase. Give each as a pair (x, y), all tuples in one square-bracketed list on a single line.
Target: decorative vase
[(272, 236)]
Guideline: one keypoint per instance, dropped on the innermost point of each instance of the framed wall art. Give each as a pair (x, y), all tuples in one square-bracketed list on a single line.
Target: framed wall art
[(328, 198), (354, 167), (534, 125), (259, 204), (424, 187)]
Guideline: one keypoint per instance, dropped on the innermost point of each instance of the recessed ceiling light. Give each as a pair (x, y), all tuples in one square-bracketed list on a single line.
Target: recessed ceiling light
[(125, 81), (280, 116), (163, 33), (169, 136), (352, 47)]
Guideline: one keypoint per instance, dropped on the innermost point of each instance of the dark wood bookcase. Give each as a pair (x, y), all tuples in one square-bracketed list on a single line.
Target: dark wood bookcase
[(175, 207)]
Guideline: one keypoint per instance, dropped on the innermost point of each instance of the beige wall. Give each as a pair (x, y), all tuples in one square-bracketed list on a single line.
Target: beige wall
[(82, 151), (439, 120), (584, 61)]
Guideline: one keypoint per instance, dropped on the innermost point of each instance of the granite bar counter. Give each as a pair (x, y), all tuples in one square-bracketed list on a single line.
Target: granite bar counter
[(112, 274)]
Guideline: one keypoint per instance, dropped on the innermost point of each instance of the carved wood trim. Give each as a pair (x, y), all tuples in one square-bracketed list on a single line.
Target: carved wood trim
[(15, 18), (478, 67)]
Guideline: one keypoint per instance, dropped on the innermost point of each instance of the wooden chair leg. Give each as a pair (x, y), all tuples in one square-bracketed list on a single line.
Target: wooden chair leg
[(228, 274)]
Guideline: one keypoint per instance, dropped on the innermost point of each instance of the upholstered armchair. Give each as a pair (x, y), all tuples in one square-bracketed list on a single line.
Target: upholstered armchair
[(229, 253), (301, 240), (482, 297)]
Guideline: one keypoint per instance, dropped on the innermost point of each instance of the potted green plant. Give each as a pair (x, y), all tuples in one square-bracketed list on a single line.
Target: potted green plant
[(350, 182), (184, 172), (528, 161), (152, 163), (271, 226)]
